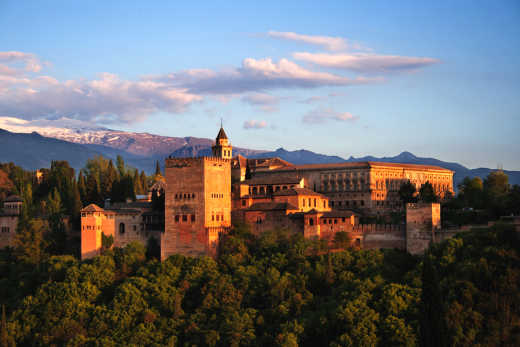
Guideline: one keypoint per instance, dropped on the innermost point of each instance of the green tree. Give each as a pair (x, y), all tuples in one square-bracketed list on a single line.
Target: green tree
[(471, 192), (120, 163), (82, 187), (407, 192), (496, 189), (427, 193), (4, 337), (108, 179), (29, 241), (432, 327), (342, 239)]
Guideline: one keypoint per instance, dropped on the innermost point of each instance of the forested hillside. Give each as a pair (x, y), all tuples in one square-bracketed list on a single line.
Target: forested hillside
[(272, 290)]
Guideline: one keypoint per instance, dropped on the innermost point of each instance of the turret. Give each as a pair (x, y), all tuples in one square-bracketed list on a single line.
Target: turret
[(222, 148)]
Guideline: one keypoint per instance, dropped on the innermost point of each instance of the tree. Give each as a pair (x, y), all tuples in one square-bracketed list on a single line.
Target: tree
[(157, 169), (138, 188), (427, 193), (29, 241), (496, 189), (471, 192), (120, 163), (432, 328), (407, 192), (93, 193), (56, 237), (108, 179), (82, 187)]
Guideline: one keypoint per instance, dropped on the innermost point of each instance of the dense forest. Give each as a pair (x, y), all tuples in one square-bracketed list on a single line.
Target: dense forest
[(274, 290)]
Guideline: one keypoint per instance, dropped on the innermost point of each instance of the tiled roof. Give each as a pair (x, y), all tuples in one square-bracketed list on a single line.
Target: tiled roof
[(274, 179), (92, 208), (221, 134), (271, 206), (297, 191)]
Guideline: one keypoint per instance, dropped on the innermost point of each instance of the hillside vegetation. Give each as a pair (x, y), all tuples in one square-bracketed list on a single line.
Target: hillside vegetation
[(270, 291)]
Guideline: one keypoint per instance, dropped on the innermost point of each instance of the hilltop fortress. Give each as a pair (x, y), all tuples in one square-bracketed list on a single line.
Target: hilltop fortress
[(204, 195)]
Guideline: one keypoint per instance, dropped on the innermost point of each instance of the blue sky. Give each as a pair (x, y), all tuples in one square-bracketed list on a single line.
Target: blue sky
[(438, 79)]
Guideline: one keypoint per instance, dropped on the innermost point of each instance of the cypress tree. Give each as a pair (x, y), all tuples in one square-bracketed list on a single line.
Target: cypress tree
[(82, 187), (144, 182), (138, 187), (109, 177), (248, 170), (93, 193), (120, 166), (157, 169)]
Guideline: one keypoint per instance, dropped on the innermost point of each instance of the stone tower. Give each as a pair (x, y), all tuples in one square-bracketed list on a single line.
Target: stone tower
[(423, 220), (197, 202), (222, 148)]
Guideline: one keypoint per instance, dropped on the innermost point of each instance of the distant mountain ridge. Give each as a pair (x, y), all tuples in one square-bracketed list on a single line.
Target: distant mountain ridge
[(141, 150)]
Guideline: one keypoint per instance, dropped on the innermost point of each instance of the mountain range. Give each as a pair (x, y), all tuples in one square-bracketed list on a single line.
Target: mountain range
[(33, 147)]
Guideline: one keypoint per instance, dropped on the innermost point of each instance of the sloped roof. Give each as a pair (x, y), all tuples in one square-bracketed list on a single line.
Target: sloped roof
[(221, 134), (297, 191), (92, 208), (274, 179), (271, 206)]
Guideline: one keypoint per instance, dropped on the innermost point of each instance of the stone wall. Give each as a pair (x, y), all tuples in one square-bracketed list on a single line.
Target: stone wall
[(422, 221), (8, 226)]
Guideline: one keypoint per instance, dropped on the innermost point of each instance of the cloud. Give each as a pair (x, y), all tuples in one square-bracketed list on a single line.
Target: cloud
[(255, 124), (366, 62), (328, 42), (106, 99), (31, 62), (266, 102), (312, 99), (323, 115), (29, 94), (256, 75)]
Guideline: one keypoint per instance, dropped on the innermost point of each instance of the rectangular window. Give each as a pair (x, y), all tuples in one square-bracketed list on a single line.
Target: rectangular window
[(192, 218), (177, 218), (184, 218)]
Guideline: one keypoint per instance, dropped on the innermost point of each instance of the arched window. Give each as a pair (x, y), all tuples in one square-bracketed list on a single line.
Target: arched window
[(311, 221), (121, 228)]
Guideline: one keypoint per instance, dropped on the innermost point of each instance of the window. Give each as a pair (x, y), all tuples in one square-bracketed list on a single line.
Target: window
[(314, 202), (335, 221), (243, 202), (5, 229), (193, 218), (343, 220), (177, 218), (184, 218), (311, 221), (303, 202), (309, 202), (121, 228), (134, 227), (212, 218)]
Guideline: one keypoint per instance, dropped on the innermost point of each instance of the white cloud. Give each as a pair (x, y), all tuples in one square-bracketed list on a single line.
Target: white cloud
[(32, 63), (365, 62), (256, 75), (328, 42), (255, 124), (323, 115)]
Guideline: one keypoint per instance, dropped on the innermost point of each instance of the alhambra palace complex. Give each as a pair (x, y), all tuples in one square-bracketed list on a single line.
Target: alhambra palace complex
[(204, 195)]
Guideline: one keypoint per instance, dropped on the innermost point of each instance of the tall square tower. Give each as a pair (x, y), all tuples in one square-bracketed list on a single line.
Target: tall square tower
[(197, 203)]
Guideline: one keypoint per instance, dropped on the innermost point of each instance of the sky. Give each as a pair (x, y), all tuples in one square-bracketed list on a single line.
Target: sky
[(349, 78)]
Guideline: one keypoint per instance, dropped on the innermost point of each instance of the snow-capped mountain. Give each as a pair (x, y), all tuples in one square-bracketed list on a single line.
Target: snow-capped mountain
[(76, 131)]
